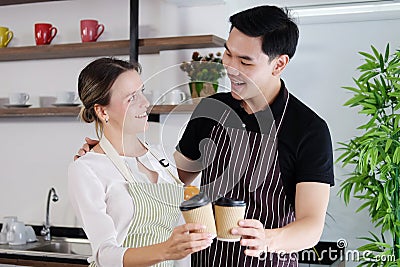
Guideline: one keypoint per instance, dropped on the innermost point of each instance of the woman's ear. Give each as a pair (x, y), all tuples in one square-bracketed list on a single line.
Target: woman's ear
[(280, 64), (101, 113)]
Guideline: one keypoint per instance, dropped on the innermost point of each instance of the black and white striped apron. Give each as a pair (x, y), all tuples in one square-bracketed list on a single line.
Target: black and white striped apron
[(244, 165)]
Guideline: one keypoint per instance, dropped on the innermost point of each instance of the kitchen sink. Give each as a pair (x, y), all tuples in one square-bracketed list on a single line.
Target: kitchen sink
[(65, 247)]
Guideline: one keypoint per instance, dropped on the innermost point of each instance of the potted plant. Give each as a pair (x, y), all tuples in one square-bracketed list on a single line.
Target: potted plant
[(204, 72), (375, 154)]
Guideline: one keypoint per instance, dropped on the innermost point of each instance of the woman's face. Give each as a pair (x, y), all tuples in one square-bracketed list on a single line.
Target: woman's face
[(127, 109)]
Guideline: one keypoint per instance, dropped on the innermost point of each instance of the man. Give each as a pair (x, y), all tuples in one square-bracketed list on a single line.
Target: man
[(260, 144), (286, 189)]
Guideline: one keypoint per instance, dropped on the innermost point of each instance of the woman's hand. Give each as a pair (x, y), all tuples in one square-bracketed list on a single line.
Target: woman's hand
[(86, 147), (183, 241)]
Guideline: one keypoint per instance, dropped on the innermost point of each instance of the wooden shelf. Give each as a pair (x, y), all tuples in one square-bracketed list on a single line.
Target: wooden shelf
[(40, 112), (166, 109), (108, 48), (19, 2), (74, 111)]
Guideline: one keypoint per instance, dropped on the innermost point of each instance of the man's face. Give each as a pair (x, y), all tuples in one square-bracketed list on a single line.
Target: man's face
[(248, 68)]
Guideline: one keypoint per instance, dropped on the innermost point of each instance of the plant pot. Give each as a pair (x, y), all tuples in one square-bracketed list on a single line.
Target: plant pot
[(202, 89)]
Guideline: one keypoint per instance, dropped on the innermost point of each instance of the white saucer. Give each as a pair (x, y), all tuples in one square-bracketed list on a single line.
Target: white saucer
[(66, 104), (31, 240), (17, 105), (17, 243)]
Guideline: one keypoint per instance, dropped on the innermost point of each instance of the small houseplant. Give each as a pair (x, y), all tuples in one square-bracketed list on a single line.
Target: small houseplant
[(375, 154), (204, 73)]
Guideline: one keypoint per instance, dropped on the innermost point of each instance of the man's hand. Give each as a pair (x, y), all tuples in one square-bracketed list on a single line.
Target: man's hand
[(253, 237), (311, 203), (90, 143)]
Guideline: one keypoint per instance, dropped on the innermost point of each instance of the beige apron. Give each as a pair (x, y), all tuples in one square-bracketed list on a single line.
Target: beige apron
[(156, 205)]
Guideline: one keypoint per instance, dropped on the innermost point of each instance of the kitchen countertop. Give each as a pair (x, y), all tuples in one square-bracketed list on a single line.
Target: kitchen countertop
[(80, 248), (60, 251), (70, 247)]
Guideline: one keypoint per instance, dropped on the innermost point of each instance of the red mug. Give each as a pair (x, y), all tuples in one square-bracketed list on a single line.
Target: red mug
[(44, 33), (91, 30)]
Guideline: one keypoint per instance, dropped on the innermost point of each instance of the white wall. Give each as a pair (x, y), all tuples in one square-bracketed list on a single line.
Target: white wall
[(36, 152), (325, 61)]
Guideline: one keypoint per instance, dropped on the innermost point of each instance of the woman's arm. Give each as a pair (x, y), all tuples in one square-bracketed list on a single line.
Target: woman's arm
[(87, 196), (179, 245)]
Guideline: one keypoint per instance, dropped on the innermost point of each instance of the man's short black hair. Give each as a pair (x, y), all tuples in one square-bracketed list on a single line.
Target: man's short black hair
[(279, 32)]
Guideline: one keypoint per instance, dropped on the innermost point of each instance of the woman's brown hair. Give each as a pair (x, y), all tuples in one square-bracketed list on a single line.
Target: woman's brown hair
[(94, 84)]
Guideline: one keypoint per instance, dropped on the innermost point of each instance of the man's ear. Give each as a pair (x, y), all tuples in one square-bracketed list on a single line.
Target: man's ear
[(280, 64), (101, 112)]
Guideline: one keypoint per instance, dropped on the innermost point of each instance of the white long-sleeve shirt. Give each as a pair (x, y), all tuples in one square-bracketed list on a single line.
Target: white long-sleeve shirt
[(100, 198)]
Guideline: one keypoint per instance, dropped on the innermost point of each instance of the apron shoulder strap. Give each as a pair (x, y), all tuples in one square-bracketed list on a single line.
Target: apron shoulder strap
[(116, 159)]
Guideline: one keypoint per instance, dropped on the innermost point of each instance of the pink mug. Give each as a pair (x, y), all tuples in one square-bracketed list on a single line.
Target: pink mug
[(44, 33), (91, 30)]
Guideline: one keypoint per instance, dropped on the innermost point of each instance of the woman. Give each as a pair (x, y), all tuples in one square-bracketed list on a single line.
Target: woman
[(126, 200)]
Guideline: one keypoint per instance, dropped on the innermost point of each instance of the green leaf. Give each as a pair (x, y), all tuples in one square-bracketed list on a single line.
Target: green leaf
[(367, 111), (396, 156), (381, 63), (383, 87), (376, 53), (388, 144), (367, 55), (387, 52), (353, 89), (363, 206), (370, 247), (354, 100)]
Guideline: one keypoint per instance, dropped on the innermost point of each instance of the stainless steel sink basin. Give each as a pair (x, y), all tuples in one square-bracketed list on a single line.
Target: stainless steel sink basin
[(65, 247)]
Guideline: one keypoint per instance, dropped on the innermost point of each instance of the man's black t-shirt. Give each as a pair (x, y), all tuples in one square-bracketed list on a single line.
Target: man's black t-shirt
[(304, 142)]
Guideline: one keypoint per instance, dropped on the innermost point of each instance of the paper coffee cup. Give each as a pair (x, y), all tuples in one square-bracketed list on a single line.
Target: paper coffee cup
[(198, 209), (228, 213)]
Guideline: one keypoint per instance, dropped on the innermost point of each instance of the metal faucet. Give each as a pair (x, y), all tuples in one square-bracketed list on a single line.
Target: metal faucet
[(45, 232)]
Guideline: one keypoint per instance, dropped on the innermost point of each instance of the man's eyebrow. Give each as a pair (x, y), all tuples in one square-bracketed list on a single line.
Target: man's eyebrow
[(242, 57), (226, 47)]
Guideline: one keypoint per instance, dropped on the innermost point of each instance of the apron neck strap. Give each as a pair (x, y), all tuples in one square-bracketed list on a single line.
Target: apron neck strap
[(162, 160), (113, 155), (282, 115)]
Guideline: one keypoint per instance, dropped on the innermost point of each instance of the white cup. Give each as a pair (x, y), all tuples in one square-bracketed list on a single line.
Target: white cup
[(4, 101), (19, 98), (67, 97), (7, 223), (17, 235), (174, 97), (3, 238), (30, 234), (47, 101)]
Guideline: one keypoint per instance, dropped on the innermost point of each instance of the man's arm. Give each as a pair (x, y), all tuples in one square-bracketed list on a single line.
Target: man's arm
[(311, 204), (188, 169)]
